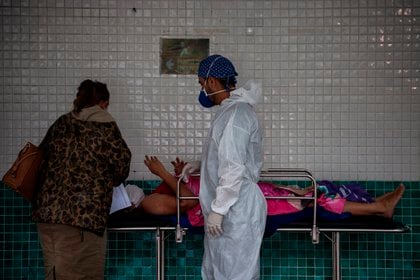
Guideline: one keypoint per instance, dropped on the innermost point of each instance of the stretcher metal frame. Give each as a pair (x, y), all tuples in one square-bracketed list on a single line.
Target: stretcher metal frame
[(271, 173), (313, 227), (335, 237), (159, 241)]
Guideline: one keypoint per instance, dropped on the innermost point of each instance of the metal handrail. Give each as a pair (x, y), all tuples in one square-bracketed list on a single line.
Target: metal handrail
[(298, 173), (180, 232), (273, 173)]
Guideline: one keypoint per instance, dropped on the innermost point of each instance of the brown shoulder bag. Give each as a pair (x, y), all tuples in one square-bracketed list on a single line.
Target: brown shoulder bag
[(22, 177)]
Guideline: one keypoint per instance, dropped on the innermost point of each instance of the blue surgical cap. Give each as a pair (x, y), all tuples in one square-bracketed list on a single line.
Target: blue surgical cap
[(216, 66)]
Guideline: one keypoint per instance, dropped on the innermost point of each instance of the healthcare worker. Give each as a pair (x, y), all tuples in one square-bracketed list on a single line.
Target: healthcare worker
[(233, 206)]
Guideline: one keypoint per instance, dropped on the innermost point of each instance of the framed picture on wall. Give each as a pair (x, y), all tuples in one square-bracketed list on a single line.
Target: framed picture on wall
[(182, 56)]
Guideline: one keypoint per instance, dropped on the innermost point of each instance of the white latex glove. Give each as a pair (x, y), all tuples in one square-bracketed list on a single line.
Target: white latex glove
[(189, 169), (214, 224)]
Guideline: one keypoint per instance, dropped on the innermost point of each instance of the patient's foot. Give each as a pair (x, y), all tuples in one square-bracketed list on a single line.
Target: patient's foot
[(382, 197), (390, 201)]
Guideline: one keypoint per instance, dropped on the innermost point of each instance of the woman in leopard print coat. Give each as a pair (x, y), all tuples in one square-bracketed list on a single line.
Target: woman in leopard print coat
[(85, 157)]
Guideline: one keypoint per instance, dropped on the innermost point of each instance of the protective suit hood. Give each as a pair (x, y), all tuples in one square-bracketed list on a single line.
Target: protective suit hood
[(250, 93)]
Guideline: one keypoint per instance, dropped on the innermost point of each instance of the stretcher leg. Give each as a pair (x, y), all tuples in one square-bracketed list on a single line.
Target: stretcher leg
[(336, 255), (160, 254)]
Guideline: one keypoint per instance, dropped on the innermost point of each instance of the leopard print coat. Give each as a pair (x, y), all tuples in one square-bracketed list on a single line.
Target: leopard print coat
[(84, 160)]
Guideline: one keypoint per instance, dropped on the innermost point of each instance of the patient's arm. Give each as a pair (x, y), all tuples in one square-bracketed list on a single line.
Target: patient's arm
[(178, 166), (296, 189), (157, 168), (163, 204)]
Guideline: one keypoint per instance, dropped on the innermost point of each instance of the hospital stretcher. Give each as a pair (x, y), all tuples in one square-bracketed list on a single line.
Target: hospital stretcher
[(138, 221)]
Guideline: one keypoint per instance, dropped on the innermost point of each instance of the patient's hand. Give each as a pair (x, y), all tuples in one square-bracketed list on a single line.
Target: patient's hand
[(178, 165), (155, 166)]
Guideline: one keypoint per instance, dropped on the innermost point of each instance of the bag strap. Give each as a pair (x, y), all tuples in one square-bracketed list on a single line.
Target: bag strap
[(15, 166), (22, 158)]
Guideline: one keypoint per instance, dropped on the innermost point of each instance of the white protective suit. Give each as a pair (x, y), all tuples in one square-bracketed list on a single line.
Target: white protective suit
[(230, 169)]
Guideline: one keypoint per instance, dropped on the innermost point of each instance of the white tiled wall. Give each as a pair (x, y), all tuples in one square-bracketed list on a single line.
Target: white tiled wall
[(340, 78)]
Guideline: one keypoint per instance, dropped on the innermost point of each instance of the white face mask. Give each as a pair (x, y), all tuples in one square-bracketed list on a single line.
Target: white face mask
[(212, 93)]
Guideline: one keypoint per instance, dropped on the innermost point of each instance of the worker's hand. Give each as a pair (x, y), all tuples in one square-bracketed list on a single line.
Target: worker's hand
[(214, 224), (189, 169)]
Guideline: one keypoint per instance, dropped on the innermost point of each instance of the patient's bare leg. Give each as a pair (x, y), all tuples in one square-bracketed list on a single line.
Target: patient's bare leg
[(159, 204), (164, 204), (383, 206)]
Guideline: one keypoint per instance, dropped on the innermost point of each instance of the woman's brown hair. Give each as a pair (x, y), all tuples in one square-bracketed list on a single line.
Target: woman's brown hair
[(90, 93)]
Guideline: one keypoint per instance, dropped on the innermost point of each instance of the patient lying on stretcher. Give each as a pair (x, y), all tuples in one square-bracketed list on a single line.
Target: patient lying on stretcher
[(336, 199)]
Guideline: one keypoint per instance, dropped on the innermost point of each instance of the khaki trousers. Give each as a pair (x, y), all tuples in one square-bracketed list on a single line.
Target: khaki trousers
[(71, 253)]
